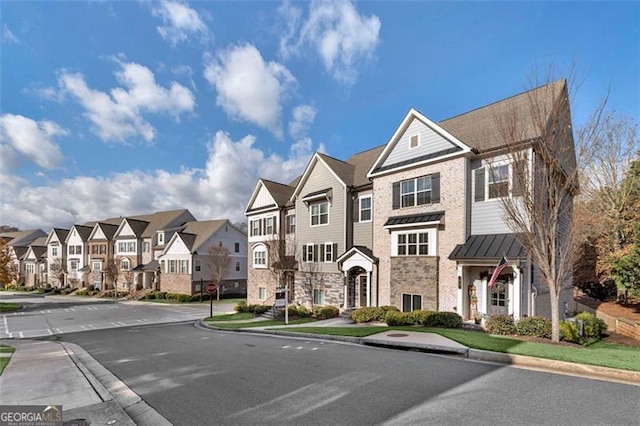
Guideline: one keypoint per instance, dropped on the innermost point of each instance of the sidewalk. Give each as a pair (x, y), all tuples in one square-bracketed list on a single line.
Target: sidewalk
[(51, 373), (431, 342)]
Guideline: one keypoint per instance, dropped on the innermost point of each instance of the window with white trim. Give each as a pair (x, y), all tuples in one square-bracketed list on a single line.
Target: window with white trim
[(415, 192), (262, 293), (260, 257), (269, 226), (498, 182), (291, 224), (411, 302), (255, 227), (318, 297), (54, 251), (365, 209), (172, 266), (320, 213), (161, 238), (308, 254), (413, 243), (328, 252), (146, 247), (73, 264), (184, 266), (125, 265), (30, 268)]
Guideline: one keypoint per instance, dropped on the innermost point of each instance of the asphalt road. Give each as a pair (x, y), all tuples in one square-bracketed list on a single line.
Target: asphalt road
[(53, 315), (201, 377)]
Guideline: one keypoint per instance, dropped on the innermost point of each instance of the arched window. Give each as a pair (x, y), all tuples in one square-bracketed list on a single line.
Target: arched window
[(125, 265), (260, 256)]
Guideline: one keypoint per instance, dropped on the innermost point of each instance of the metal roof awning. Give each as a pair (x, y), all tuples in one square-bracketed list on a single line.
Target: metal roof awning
[(433, 218), (490, 246), (318, 195)]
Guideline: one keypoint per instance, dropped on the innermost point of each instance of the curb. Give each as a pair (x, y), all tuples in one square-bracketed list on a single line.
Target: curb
[(109, 387), (560, 367)]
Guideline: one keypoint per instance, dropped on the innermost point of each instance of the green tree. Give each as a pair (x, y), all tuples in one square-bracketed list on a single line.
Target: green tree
[(8, 273), (625, 271)]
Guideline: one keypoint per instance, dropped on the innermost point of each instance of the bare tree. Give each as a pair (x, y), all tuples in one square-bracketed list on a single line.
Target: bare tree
[(546, 180), (310, 277), (110, 272), (219, 258), (58, 269), (8, 272)]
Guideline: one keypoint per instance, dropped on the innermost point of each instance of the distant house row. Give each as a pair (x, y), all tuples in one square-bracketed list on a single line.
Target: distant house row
[(418, 222), (166, 250)]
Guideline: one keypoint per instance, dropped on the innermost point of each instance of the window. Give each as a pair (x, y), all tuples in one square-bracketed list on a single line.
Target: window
[(96, 266), (172, 266), (260, 257), (411, 302), (79, 249), (262, 293), (269, 226), (318, 297), (499, 181), (197, 265), (73, 265), (411, 244), (103, 248), (414, 142), (320, 214), (162, 266), (499, 295), (237, 266), (308, 253), (30, 268), (328, 252), (131, 247), (54, 251), (291, 224), (161, 238), (255, 227), (237, 247), (365, 209), (94, 249), (125, 265), (71, 249), (415, 192), (184, 266), (146, 247)]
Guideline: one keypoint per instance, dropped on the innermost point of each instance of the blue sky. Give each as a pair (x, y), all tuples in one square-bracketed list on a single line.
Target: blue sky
[(129, 107)]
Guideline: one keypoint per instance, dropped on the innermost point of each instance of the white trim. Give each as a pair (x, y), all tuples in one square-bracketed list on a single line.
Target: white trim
[(259, 248), (311, 225), (414, 225), (398, 133), (432, 242), (307, 171), (370, 197), (333, 255)]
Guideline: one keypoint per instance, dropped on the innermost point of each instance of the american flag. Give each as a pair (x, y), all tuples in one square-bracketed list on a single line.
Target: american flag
[(504, 262)]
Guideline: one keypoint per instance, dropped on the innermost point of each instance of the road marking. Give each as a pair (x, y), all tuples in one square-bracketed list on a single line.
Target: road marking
[(73, 309), (314, 349), (21, 335), (66, 310), (50, 332), (299, 347), (57, 330), (6, 324), (286, 347)]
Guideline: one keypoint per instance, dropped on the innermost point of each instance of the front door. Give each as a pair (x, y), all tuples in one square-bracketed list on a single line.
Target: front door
[(499, 298)]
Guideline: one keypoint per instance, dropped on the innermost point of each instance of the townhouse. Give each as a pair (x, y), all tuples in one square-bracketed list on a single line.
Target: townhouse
[(417, 223), (18, 245), (55, 269)]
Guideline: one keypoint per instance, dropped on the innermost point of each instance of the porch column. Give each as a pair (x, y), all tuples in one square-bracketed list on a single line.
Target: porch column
[(460, 304), (483, 299), (345, 286), (368, 288), (517, 293)]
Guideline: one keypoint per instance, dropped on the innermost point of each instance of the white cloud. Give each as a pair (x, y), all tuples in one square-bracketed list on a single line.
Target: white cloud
[(303, 116), (220, 189), (118, 115), (180, 22), (341, 36), (248, 88), (8, 36), (31, 139)]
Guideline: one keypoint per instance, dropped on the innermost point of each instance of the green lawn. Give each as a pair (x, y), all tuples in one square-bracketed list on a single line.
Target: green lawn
[(8, 307), (600, 353), (264, 323), (238, 316), (4, 361), (215, 302)]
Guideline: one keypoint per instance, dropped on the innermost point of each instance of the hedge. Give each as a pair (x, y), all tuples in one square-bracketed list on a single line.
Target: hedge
[(370, 314), (424, 318)]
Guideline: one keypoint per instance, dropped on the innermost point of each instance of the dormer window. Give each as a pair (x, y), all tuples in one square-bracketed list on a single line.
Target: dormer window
[(161, 238)]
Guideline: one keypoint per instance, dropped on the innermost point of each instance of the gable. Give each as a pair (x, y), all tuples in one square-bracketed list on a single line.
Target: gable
[(126, 230), (417, 141), (262, 199), (98, 234), (317, 177), (177, 245)]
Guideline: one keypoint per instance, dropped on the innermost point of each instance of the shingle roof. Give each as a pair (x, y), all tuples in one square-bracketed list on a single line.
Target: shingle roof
[(108, 229), (340, 168), (61, 233), (137, 226), (84, 231), (196, 233), (490, 246), (280, 192), (480, 128), (362, 162), (22, 238)]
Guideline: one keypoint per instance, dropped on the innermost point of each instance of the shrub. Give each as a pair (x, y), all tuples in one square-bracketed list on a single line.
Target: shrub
[(90, 287), (501, 325), (183, 297), (396, 318), (534, 326), (160, 294), (325, 312), (150, 296), (593, 327), (303, 312), (370, 314), (260, 309), (173, 296), (443, 319), (240, 306), (569, 332)]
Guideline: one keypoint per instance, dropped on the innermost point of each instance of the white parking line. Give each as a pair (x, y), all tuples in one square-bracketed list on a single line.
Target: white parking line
[(6, 324)]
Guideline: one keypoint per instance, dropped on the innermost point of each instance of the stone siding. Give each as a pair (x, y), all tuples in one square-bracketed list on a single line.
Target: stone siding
[(332, 284), (415, 275)]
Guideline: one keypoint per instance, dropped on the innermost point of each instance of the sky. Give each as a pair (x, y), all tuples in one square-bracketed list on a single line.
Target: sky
[(119, 108)]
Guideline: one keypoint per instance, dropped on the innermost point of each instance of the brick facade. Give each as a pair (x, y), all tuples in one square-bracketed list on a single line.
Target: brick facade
[(176, 283)]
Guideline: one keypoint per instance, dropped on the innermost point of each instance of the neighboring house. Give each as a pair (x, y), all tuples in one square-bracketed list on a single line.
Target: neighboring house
[(185, 262), (138, 242), (101, 254), (57, 256), (77, 245), (18, 243), (35, 262), (417, 223)]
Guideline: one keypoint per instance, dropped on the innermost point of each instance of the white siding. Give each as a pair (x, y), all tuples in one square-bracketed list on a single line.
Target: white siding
[(98, 234), (430, 142), (126, 231), (263, 199)]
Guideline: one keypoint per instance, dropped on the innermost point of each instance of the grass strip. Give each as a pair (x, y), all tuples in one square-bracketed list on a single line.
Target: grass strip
[(601, 353), (5, 360), (238, 316), (8, 307), (265, 323)]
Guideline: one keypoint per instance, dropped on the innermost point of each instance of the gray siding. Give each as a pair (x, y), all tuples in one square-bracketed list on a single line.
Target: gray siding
[(322, 178), (487, 217), (430, 142), (363, 231)]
